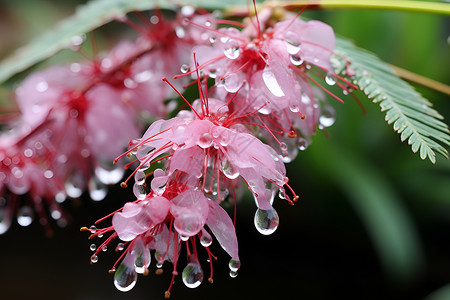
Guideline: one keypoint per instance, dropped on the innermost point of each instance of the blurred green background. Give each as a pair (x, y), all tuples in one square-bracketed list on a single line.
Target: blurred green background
[(373, 220)]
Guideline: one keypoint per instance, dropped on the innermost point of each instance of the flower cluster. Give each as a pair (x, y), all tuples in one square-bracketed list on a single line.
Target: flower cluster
[(260, 100), (74, 120)]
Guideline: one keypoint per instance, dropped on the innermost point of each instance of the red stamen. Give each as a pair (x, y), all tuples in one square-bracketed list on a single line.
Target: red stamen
[(187, 102)]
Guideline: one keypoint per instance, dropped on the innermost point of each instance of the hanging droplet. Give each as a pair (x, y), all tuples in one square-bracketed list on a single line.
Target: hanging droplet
[(125, 278), (94, 259), (93, 229), (292, 47), (72, 190), (205, 140), (266, 221), (302, 144), (25, 216), (330, 79), (233, 274), (109, 175), (120, 247), (93, 247), (139, 177), (142, 256), (206, 239), (328, 116), (192, 275), (184, 238), (212, 39), (234, 265), (139, 191), (5, 218), (97, 190)]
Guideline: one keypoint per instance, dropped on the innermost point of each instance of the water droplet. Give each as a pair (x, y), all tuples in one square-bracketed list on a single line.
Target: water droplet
[(187, 10), (212, 39), (139, 177), (75, 67), (125, 278), (296, 60), (205, 140), (272, 83), (25, 216), (212, 74), (5, 217), (93, 229), (282, 194), (56, 213), (305, 99), (292, 47), (232, 83), (77, 40), (104, 248), (234, 265), (232, 52), (93, 247), (302, 144), (184, 238), (283, 147), (192, 275), (328, 116), (184, 68), (206, 239), (208, 24), (294, 108), (180, 32), (42, 86), (229, 171), (233, 274), (330, 79), (97, 190), (94, 259), (130, 83), (154, 20), (142, 261), (109, 176), (120, 247), (139, 191), (266, 221)]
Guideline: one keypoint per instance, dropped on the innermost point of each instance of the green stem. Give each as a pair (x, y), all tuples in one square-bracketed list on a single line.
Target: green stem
[(404, 5)]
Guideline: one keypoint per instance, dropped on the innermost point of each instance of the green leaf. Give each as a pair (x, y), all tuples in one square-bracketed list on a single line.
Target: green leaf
[(87, 18), (411, 114)]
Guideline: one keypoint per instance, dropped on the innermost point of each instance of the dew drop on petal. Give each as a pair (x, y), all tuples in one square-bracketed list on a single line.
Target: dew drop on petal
[(296, 60), (42, 86), (232, 52), (25, 216), (125, 278), (330, 79), (192, 275), (205, 140), (232, 83), (272, 83), (266, 221)]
